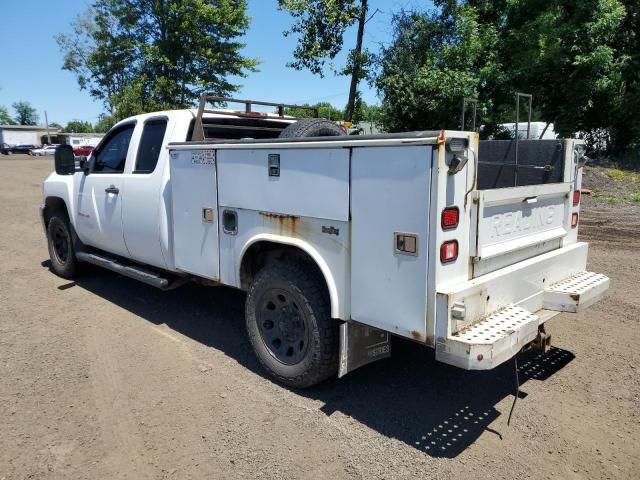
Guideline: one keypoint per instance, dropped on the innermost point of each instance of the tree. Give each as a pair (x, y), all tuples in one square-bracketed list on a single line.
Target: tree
[(142, 55), (105, 122), (570, 58), (5, 118), (325, 110), (579, 60), (321, 25), (432, 62), (367, 113), (79, 126), (25, 113)]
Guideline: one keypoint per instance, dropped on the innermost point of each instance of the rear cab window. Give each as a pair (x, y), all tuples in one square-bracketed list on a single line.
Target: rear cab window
[(150, 146)]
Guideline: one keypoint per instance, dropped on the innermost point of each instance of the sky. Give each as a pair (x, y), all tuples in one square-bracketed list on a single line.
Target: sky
[(30, 67)]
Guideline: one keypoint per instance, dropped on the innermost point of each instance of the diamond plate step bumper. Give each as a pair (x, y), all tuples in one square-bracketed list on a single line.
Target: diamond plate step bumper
[(491, 341), (576, 292)]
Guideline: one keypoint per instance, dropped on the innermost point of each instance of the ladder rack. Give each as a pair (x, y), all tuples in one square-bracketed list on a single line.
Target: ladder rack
[(198, 130)]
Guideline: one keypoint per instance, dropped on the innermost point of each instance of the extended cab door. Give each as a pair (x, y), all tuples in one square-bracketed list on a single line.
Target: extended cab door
[(144, 181), (100, 194)]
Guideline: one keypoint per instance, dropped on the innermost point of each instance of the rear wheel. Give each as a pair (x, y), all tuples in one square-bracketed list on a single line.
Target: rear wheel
[(61, 248), (290, 326)]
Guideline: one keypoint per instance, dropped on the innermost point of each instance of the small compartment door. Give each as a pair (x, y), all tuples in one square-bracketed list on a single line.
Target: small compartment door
[(194, 197)]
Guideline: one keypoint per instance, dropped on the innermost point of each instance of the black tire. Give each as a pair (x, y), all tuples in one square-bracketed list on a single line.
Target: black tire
[(312, 127), (294, 337), (61, 247)]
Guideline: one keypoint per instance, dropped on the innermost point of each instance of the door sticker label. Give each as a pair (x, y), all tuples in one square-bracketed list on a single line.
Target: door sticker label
[(203, 157)]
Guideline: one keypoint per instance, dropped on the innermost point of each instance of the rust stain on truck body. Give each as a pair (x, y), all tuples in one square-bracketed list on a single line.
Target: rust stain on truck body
[(286, 223)]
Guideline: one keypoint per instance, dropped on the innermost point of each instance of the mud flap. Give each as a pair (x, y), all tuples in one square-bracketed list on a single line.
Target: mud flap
[(361, 345)]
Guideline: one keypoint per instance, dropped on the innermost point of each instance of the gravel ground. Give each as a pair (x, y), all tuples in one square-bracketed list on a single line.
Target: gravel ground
[(108, 378)]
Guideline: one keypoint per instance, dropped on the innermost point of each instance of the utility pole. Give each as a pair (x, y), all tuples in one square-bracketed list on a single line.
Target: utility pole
[(46, 121)]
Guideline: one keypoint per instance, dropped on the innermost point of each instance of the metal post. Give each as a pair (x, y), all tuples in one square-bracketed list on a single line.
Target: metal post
[(471, 101), (46, 121), (475, 106), (530, 97)]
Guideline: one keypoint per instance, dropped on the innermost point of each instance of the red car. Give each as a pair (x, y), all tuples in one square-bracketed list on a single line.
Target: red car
[(83, 150)]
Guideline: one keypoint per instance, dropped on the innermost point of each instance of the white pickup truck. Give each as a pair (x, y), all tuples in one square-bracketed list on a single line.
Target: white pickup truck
[(464, 246)]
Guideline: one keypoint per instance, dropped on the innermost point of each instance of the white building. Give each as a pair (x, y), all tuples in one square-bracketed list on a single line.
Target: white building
[(80, 139), (26, 134)]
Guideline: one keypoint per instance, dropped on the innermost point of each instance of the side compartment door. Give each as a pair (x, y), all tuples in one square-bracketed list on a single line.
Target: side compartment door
[(194, 199), (389, 244), (100, 194)]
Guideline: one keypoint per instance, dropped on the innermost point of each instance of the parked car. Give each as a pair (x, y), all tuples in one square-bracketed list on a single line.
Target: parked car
[(48, 150), (83, 150), (19, 149)]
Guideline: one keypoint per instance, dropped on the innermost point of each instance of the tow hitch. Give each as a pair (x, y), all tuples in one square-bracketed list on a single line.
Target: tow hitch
[(542, 342)]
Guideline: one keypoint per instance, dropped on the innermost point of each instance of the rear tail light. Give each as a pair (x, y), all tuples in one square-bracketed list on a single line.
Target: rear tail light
[(450, 218), (576, 197), (574, 220), (449, 251)]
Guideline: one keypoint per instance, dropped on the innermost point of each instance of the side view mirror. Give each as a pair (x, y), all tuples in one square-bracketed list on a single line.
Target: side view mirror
[(64, 160), (581, 158)]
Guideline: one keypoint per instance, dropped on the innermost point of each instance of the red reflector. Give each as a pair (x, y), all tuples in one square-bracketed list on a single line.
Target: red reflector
[(449, 251), (450, 218), (574, 220), (576, 197)]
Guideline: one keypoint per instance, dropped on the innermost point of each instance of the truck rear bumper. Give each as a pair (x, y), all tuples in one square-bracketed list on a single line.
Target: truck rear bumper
[(487, 320)]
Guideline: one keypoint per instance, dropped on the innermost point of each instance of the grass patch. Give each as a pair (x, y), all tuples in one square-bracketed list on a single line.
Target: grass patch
[(596, 192), (635, 197), (615, 174), (611, 200)]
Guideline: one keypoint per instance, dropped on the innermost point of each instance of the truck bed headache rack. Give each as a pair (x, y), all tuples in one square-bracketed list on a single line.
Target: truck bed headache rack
[(198, 131)]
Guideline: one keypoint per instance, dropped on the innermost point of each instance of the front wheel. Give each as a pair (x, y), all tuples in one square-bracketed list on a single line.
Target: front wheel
[(290, 326), (61, 249)]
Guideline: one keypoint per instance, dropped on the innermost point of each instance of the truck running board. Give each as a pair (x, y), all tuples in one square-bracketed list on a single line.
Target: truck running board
[(576, 292), (137, 273)]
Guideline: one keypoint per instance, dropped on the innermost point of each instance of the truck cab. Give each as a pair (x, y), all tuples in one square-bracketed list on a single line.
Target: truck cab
[(120, 201)]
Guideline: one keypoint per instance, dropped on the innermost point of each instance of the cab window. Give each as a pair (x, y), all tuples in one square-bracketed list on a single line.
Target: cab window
[(112, 155), (150, 145)]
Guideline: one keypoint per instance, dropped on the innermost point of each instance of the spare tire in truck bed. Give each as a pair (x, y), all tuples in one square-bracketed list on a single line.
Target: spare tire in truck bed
[(311, 127)]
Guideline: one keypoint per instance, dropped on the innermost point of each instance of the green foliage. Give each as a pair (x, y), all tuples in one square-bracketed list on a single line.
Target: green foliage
[(367, 113), (79, 126), (105, 122), (143, 55), (25, 113), (579, 60), (635, 197), (56, 125), (5, 118), (431, 64), (320, 26), (325, 110), (615, 173)]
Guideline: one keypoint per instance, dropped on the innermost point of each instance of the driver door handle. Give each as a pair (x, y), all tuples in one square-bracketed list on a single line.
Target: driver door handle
[(112, 189)]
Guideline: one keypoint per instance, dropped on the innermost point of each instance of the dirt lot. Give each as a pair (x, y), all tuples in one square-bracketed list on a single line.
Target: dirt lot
[(109, 378)]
